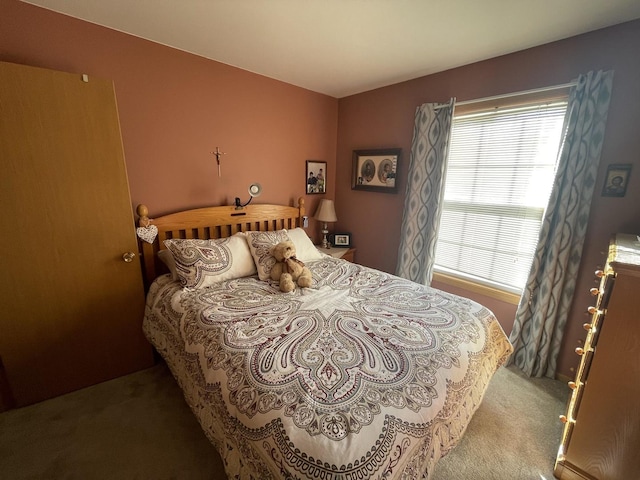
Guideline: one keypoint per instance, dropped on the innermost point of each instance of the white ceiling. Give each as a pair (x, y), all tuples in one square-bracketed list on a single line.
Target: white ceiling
[(343, 47)]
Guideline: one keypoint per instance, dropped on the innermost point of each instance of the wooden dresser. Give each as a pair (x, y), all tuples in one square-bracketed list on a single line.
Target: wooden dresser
[(601, 436)]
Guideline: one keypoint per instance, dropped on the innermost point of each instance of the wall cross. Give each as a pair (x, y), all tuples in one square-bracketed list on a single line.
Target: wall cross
[(218, 154)]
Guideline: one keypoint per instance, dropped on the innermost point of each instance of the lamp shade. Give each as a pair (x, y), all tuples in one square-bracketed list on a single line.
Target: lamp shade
[(326, 212)]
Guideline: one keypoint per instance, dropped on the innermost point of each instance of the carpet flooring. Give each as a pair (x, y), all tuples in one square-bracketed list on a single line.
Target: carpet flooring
[(139, 427)]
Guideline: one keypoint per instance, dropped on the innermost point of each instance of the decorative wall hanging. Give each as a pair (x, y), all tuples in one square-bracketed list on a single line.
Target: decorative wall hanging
[(316, 177), (218, 154), (615, 183), (146, 231), (376, 170)]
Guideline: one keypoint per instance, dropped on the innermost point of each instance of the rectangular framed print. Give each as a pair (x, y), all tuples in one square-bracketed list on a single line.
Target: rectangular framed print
[(316, 181), (376, 170), (615, 183)]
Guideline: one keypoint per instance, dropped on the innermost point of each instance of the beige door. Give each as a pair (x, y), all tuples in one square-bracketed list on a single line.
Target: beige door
[(71, 308)]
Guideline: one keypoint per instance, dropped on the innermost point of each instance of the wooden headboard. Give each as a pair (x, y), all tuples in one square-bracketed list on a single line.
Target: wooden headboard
[(211, 222)]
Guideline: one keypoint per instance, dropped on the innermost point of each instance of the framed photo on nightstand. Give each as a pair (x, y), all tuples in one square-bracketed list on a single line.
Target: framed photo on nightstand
[(340, 240)]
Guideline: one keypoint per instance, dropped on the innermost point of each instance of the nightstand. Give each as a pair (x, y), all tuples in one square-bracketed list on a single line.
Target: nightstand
[(347, 254)]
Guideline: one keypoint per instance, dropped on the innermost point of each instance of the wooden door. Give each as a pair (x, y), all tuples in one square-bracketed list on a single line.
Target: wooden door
[(71, 307)]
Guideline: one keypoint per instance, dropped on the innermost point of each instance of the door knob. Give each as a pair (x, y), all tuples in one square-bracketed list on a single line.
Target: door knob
[(128, 257)]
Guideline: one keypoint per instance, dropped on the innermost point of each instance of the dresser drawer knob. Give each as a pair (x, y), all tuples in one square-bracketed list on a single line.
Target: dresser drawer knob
[(580, 351), (565, 419)]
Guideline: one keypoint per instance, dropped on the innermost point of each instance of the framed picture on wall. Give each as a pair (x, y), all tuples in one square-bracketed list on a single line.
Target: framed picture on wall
[(376, 170), (316, 181), (615, 183)]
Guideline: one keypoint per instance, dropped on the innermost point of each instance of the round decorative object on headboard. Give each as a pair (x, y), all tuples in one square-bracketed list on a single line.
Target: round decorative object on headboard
[(145, 231)]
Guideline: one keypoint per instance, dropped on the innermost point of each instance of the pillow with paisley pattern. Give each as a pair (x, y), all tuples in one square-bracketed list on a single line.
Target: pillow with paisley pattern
[(260, 244), (200, 263)]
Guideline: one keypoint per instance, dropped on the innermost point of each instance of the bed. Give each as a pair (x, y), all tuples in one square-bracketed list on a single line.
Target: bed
[(363, 375)]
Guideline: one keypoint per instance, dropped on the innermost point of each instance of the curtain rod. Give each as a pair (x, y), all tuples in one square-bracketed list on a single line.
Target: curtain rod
[(514, 94)]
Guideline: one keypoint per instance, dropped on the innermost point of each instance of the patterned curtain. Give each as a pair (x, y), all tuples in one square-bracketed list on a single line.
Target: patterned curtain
[(425, 189), (542, 313)]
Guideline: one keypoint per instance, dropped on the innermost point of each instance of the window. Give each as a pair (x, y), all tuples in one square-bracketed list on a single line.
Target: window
[(499, 177)]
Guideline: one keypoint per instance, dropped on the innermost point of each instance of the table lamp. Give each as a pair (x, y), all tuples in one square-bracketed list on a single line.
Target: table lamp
[(325, 213)]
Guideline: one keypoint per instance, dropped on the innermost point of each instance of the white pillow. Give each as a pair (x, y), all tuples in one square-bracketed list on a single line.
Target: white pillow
[(200, 263), (260, 244), (167, 258), (306, 251)]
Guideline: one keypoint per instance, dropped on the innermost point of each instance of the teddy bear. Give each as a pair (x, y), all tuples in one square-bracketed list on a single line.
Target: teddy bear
[(288, 270)]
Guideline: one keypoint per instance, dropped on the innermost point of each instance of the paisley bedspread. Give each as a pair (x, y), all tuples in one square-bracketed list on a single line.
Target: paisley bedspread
[(363, 376)]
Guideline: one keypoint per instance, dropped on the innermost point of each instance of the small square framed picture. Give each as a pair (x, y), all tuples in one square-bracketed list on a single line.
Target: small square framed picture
[(341, 240), (615, 183)]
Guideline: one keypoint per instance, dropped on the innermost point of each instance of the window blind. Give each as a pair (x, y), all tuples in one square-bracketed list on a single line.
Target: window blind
[(500, 172)]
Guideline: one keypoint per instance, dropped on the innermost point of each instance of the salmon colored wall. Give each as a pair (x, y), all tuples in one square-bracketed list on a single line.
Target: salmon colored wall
[(175, 108), (384, 118)]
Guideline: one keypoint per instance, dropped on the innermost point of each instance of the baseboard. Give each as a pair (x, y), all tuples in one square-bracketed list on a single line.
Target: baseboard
[(563, 378)]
